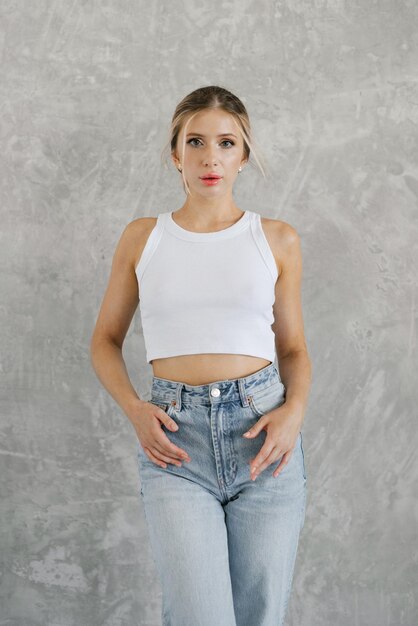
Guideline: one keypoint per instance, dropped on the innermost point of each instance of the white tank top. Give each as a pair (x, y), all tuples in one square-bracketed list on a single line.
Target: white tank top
[(207, 292)]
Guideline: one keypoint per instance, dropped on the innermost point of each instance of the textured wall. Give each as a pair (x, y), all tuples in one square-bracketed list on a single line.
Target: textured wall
[(87, 92)]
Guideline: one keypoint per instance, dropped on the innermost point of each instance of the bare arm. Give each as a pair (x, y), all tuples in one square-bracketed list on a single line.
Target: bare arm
[(294, 363), (118, 307), (117, 310)]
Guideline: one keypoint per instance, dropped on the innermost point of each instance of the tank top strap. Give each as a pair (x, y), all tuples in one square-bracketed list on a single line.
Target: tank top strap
[(150, 245), (263, 245), (162, 220)]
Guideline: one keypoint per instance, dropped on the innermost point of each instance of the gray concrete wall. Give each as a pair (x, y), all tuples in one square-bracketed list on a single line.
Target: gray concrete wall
[(87, 93)]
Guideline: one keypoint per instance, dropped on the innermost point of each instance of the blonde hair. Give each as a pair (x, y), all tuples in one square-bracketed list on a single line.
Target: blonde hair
[(212, 97)]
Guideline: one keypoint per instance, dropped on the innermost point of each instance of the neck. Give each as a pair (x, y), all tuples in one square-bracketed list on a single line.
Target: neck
[(208, 211)]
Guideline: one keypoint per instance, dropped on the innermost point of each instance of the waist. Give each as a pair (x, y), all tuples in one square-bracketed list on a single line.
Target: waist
[(200, 369), (220, 390)]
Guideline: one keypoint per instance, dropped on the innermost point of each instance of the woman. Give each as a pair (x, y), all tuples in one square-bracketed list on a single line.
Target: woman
[(219, 294)]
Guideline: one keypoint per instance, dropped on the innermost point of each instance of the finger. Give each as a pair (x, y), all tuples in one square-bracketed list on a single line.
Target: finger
[(167, 447), (256, 429), (165, 419), (153, 458), (285, 460), (163, 458), (273, 457), (264, 453)]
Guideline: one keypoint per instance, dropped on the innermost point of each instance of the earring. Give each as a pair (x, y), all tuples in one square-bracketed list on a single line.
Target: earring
[(179, 168), (240, 169)]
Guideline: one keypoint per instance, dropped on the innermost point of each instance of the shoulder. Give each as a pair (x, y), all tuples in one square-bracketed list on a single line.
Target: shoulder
[(135, 236), (283, 239), (140, 227)]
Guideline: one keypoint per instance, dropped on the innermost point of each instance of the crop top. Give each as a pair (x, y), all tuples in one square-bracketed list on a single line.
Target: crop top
[(207, 292)]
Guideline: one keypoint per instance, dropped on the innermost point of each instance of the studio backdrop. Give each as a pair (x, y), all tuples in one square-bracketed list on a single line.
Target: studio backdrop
[(87, 94)]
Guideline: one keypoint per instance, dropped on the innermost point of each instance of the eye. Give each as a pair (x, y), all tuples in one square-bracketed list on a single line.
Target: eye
[(193, 139), (224, 141)]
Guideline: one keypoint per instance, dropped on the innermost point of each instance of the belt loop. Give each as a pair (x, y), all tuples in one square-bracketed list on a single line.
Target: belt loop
[(242, 392), (177, 401)]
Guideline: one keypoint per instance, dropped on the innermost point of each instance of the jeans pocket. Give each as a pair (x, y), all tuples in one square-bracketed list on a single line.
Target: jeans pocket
[(161, 404), (265, 400)]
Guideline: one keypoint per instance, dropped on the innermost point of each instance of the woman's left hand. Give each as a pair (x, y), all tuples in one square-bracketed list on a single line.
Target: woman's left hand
[(282, 426)]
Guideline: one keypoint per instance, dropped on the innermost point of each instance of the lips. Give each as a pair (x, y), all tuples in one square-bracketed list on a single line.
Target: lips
[(211, 177), (210, 182)]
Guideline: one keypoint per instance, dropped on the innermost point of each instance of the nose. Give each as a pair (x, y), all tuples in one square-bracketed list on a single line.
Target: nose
[(210, 155)]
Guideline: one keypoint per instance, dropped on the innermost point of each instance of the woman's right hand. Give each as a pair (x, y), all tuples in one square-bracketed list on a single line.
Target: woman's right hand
[(147, 419)]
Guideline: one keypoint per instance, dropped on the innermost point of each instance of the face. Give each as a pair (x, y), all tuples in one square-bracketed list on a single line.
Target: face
[(213, 144)]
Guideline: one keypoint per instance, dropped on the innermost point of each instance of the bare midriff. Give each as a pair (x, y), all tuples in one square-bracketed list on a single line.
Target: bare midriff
[(202, 369)]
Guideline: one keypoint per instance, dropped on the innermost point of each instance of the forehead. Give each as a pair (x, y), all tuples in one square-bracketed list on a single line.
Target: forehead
[(211, 122)]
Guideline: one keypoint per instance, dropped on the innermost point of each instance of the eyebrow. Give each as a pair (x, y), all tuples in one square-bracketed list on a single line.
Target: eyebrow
[(221, 135)]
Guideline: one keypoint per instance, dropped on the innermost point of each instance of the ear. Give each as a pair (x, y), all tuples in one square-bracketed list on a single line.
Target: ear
[(175, 160)]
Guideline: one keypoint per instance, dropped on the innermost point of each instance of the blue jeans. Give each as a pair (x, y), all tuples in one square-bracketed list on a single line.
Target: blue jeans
[(224, 546)]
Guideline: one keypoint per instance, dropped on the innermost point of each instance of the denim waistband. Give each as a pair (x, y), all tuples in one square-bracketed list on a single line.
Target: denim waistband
[(238, 389)]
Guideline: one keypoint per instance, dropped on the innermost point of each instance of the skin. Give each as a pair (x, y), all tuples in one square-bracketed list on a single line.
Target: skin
[(209, 209)]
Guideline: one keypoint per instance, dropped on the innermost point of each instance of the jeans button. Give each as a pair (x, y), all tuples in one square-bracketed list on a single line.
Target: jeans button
[(215, 392)]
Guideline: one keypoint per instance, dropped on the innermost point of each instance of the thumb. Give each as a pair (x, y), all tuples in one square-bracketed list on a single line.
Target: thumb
[(171, 424), (255, 429), (167, 421)]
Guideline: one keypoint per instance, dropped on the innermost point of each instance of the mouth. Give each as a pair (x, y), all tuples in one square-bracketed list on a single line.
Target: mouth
[(210, 177), (210, 180)]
